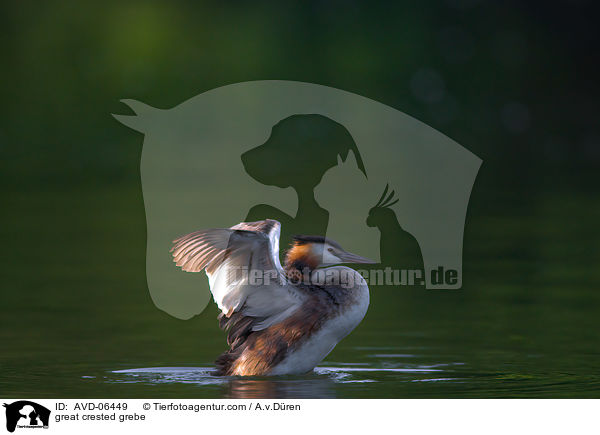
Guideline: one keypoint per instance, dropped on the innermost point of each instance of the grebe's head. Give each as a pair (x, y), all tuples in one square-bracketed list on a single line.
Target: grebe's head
[(315, 251)]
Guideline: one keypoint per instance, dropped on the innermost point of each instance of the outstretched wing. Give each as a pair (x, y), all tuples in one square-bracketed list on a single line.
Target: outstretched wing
[(244, 272)]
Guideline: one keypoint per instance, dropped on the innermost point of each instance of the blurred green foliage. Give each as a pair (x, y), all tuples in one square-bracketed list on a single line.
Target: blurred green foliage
[(514, 83)]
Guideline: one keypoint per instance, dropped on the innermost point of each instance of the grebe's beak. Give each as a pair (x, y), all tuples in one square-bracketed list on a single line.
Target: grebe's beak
[(348, 257)]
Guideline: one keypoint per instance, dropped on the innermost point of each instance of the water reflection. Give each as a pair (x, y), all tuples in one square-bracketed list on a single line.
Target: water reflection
[(161, 375), (300, 388), (323, 382), (308, 386)]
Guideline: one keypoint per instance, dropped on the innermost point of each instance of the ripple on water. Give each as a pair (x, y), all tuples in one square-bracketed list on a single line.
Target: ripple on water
[(161, 375), (349, 373), (340, 379)]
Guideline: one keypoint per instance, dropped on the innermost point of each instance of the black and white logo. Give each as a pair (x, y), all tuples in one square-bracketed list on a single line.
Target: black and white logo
[(26, 414)]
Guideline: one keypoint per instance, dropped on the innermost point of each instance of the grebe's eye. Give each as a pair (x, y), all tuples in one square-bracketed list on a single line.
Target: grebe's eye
[(330, 249)]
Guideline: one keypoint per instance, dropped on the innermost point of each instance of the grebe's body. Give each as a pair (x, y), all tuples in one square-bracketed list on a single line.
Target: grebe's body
[(339, 318), (279, 320)]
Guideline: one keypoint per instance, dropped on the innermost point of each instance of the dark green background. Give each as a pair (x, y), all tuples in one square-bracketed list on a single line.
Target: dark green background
[(514, 82)]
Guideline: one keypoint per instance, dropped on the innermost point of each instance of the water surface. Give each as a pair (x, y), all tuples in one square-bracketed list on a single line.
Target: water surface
[(77, 319)]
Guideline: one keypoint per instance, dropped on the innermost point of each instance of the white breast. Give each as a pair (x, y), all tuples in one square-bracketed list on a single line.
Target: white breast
[(318, 346)]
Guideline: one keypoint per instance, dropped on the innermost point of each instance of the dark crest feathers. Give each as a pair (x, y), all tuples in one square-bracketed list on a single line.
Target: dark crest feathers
[(301, 239)]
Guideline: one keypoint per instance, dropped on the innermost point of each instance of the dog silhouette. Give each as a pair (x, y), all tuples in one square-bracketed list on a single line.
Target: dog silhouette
[(300, 149)]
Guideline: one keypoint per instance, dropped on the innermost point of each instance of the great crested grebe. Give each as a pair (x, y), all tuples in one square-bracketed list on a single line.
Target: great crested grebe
[(280, 320)]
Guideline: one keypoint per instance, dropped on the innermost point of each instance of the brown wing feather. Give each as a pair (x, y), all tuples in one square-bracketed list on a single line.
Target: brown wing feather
[(196, 251), (227, 254), (246, 309)]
